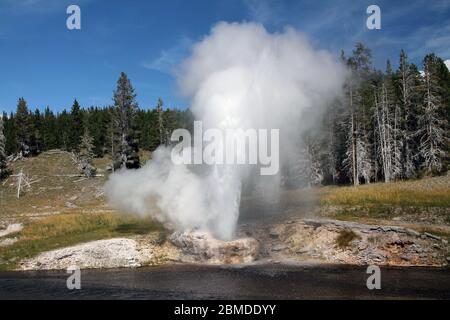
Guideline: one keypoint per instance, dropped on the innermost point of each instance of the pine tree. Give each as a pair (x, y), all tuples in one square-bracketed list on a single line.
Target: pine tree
[(310, 169), (443, 73), (407, 79), (432, 126), (364, 160), (357, 136), (3, 161), (23, 125), (86, 155), (149, 134), (395, 115), (350, 160), (161, 127), (169, 125), (50, 134), (63, 127), (36, 139), (10, 132), (153, 132), (124, 125), (332, 137), (388, 134), (97, 121), (76, 128)]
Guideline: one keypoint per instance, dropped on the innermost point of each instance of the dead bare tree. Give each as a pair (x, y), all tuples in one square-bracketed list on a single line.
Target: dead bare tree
[(23, 182)]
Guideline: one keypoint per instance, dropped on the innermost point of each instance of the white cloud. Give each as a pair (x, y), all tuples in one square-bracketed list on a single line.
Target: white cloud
[(259, 10), (434, 38), (168, 59), (447, 63), (265, 11)]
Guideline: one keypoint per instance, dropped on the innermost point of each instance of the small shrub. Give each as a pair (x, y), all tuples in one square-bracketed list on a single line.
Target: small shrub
[(345, 237)]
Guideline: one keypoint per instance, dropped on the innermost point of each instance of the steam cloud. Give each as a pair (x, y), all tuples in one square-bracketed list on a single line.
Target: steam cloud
[(239, 76)]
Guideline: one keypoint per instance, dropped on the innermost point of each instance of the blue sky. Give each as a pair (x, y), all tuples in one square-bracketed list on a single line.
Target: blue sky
[(43, 61)]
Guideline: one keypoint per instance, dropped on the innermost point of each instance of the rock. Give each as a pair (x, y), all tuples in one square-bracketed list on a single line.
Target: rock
[(111, 253), (364, 228), (99, 194), (302, 251), (279, 247), (273, 234), (412, 233), (432, 236), (395, 239), (448, 259), (362, 246), (8, 242), (202, 246), (377, 255), (405, 258), (70, 205), (12, 228)]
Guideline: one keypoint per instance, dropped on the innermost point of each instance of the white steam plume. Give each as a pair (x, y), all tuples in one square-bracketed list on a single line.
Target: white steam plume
[(239, 76)]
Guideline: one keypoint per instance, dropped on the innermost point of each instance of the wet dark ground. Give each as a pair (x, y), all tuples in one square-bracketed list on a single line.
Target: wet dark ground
[(216, 282)]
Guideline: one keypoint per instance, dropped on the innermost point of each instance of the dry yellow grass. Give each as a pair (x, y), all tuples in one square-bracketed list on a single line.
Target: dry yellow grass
[(70, 229), (52, 186), (65, 224), (61, 210), (430, 192)]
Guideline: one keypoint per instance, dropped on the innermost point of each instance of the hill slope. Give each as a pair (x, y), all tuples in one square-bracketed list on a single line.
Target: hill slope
[(62, 208)]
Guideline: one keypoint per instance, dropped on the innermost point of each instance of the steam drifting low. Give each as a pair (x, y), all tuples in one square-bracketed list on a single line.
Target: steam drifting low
[(238, 77)]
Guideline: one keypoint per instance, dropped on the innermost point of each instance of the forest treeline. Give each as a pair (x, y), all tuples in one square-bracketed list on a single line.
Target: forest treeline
[(119, 130), (390, 125)]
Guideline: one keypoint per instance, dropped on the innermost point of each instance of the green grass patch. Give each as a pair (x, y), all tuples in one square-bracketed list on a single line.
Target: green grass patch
[(69, 229)]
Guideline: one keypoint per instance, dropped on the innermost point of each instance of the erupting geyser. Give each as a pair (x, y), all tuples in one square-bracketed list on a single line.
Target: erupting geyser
[(239, 76)]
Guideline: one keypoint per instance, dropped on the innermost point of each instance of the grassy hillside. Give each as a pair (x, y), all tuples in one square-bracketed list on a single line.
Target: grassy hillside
[(60, 209), (53, 189), (63, 209)]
